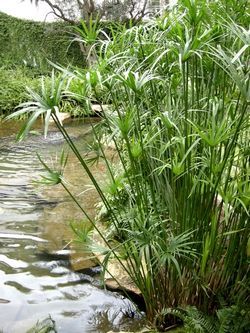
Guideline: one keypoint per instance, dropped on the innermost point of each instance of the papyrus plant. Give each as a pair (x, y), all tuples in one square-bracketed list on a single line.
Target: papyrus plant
[(178, 198)]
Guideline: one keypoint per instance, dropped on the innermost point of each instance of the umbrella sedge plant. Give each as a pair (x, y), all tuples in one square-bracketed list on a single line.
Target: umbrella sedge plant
[(178, 198)]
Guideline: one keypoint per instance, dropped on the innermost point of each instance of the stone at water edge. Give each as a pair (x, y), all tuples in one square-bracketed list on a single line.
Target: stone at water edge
[(115, 278), (120, 282), (97, 108), (78, 261), (62, 116)]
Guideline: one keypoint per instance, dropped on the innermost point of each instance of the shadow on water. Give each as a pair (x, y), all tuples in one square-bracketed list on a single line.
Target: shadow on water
[(36, 249)]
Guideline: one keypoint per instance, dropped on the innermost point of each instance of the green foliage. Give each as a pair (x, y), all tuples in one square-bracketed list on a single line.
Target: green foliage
[(88, 31), (46, 101), (193, 321), (234, 319), (227, 320), (178, 117), (33, 43), (26, 47), (46, 325), (53, 177), (13, 87)]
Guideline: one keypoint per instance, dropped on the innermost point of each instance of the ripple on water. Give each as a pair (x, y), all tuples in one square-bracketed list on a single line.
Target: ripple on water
[(12, 262), (33, 286)]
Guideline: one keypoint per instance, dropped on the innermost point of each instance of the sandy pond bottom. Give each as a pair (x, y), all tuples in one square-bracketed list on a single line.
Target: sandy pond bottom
[(36, 276)]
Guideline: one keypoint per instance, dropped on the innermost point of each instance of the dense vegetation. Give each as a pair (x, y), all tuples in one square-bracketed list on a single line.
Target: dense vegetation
[(33, 43), (178, 198), (26, 47)]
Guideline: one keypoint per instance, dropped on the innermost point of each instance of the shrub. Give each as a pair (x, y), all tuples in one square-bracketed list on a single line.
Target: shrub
[(13, 87)]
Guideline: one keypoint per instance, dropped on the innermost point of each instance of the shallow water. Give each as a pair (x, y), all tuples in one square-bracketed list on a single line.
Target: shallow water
[(38, 255)]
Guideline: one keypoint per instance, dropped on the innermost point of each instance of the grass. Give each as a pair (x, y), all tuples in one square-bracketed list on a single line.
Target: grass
[(178, 198)]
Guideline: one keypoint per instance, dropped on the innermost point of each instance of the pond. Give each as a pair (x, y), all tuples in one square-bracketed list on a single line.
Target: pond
[(42, 268)]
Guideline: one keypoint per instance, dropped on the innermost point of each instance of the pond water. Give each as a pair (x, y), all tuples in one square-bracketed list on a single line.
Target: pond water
[(41, 267)]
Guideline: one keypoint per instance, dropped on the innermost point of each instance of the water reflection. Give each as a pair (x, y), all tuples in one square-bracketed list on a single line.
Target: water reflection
[(36, 248)]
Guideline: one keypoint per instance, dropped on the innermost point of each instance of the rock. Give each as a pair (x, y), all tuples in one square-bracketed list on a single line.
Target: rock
[(118, 279), (62, 117), (115, 278), (97, 108), (79, 262)]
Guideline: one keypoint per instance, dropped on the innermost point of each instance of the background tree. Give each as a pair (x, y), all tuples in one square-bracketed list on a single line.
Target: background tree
[(74, 10)]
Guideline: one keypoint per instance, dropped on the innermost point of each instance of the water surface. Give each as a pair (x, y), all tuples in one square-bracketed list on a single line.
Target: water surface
[(38, 257)]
